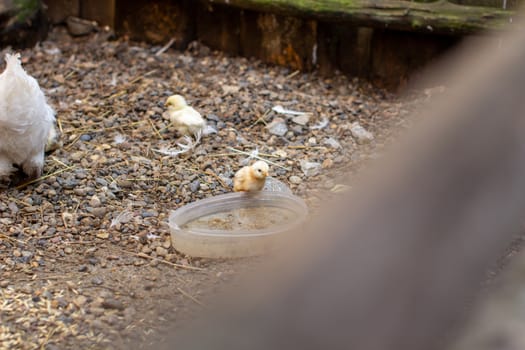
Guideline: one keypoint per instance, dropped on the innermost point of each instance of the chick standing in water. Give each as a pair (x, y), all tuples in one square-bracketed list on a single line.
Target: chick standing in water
[(251, 178), (184, 118)]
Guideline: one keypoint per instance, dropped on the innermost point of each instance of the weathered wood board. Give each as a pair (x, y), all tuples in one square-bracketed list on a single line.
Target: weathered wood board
[(436, 17)]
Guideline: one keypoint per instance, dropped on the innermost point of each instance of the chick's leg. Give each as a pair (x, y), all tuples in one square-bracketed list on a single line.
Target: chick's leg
[(34, 166)]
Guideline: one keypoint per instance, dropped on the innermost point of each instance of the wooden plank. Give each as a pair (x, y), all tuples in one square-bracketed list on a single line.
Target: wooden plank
[(101, 11), (282, 40), (438, 17), (219, 29), (59, 10), (157, 21)]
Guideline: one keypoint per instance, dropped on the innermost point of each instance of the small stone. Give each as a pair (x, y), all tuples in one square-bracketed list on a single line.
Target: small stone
[(85, 137), (281, 153), (99, 212), (80, 301), (51, 346), (161, 251), (112, 304), (295, 179), (25, 289), (312, 141), (65, 319), (80, 191), (97, 311), (111, 319), (78, 26), (97, 281), (31, 209), (124, 183), (13, 207), (68, 250), (330, 141), (310, 168), (327, 163), (230, 89), (98, 324), (93, 261), (95, 201), (195, 185), (302, 119), (297, 129), (101, 181), (360, 134), (277, 127), (103, 235), (4, 284), (82, 268), (17, 253), (129, 313)]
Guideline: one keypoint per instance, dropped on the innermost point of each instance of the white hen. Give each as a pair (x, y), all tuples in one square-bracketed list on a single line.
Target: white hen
[(25, 120)]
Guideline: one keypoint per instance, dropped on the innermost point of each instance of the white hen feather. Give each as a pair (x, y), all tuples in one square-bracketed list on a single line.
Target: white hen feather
[(183, 147), (25, 120)]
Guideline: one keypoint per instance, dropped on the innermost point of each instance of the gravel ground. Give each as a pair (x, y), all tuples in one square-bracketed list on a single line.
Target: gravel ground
[(85, 255)]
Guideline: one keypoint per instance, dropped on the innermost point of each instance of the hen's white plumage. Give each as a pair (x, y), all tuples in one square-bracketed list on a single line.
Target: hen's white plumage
[(25, 120)]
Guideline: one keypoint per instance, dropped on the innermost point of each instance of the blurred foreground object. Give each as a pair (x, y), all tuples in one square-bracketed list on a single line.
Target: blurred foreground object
[(404, 252)]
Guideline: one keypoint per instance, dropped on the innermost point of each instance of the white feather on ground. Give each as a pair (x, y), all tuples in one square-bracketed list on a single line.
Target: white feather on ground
[(25, 120), (183, 147)]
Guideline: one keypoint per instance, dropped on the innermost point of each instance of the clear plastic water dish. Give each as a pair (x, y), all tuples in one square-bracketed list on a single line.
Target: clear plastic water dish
[(236, 224)]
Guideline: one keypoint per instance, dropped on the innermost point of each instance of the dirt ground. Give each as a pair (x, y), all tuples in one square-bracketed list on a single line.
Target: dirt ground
[(85, 255)]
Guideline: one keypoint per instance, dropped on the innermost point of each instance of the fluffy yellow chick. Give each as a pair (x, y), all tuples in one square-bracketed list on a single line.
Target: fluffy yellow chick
[(186, 120), (251, 178)]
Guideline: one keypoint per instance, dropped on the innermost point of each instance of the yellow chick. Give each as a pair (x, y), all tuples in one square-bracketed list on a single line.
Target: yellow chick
[(186, 120), (251, 178)]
